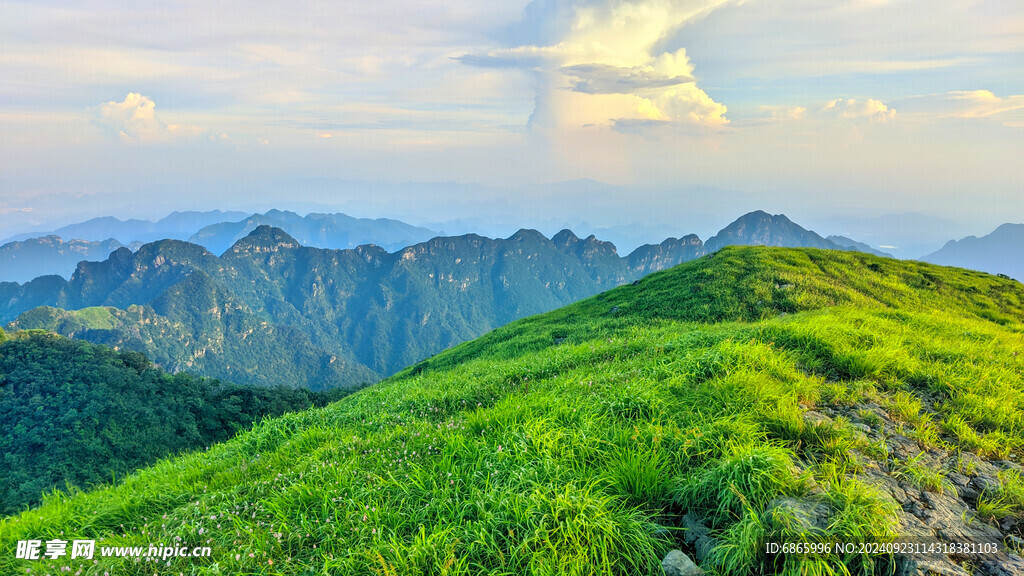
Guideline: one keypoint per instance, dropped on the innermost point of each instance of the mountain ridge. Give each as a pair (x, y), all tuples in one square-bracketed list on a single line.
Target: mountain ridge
[(355, 314), (999, 252), (851, 244), (322, 230), (317, 230), (217, 231), (178, 225)]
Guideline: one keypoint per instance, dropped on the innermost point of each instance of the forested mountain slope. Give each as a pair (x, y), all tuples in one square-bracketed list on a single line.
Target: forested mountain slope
[(76, 414), (270, 311)]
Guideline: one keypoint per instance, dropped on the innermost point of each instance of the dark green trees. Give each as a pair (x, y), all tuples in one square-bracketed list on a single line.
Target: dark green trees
[(76, 414)]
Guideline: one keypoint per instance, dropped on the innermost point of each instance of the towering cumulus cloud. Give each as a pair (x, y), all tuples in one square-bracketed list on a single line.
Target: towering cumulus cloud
[(607, 63), (133, 119)]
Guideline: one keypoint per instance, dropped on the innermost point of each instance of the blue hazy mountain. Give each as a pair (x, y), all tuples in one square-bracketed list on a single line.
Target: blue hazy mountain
[(858, 246), (24, 260), (176, 226), (759, 228), (1001, 252), (316, 230), (904, 235), (28, 256)]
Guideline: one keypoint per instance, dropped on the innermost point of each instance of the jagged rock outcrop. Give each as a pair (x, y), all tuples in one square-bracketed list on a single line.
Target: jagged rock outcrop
[(946, 515), (654, 257)]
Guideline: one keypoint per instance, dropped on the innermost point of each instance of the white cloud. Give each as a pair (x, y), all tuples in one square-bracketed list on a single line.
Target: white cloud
[(972, 104), (599, 63), (983, 103), (835, 112), (5, 209), (812, 39), (855, 109), (607, 83), (607, 79), (133, 119), (783, 113)]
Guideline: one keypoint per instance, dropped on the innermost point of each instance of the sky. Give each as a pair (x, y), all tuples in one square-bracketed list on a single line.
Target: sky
[(657, 114)]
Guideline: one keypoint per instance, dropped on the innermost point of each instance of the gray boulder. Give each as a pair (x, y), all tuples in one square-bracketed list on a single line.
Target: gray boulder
[(676, 563)]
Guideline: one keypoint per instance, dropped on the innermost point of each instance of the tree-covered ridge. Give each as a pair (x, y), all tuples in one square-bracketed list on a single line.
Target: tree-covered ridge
[(272, 311), (77, 414), (760, 395)]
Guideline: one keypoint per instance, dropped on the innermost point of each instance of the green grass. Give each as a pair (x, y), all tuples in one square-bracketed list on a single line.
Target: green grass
[(922, 475), (573, 442), (1007, 500), (93, 318)]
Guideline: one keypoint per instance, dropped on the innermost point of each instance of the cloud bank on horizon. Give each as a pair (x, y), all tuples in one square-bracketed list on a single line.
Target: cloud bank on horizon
[(868, 106)]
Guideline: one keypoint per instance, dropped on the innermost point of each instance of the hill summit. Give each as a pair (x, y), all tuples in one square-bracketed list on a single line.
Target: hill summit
[(759, 228), (264, 239), (756, 396)]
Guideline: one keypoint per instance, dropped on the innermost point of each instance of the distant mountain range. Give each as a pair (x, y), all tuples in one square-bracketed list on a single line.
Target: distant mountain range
[(1001, 252), (270, 310), (905, 235), (316, 230), (26, 257), (21, 261), (851, 244), (175, 226)]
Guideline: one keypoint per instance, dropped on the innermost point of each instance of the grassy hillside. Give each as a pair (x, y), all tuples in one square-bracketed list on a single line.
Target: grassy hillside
[(758, 395)]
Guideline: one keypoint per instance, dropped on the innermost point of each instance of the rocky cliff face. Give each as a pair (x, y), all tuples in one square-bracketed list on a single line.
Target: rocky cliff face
[(654, 257)]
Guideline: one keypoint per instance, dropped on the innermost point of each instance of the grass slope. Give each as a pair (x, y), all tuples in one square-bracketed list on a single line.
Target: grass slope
[(574, 442)]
